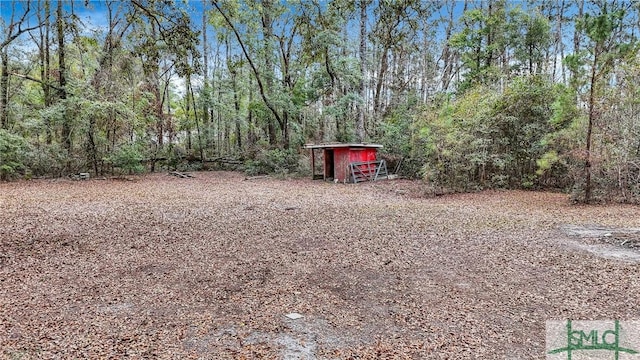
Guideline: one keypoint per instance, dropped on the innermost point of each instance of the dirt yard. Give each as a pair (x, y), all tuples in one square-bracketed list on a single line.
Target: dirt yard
[(209, 267)]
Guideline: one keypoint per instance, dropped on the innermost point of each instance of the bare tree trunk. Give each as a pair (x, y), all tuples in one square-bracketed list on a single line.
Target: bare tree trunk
[(592, 115), (361, 108), (4, 88), (151, 66), (205, 45), (576, 34), (220, 138), (267, 33), (559, 45), (236, 107), (252, 137), (490, 34), (205, 64), (45, 65), (384, 66), (190, 96), (62, 68), (446, 51), (214, 113), (332, 93), (166, 98), (154, 84)]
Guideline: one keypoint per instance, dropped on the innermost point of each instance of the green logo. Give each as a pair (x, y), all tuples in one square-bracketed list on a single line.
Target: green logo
[(593, 339)]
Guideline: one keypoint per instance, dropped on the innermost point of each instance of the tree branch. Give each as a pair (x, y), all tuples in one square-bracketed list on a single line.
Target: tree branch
[(20, 30), (39, 81), (256, 73), (151, 15)]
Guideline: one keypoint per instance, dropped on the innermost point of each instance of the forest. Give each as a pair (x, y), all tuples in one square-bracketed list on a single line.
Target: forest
[(537, 94)]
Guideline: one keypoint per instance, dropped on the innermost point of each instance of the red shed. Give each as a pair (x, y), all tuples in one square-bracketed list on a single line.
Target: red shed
[(348, 162)]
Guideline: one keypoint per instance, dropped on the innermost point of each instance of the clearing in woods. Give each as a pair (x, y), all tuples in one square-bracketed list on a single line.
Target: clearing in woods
[(209, 267)]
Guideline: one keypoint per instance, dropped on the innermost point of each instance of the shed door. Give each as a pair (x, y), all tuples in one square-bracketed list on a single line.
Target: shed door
[(328, 165)]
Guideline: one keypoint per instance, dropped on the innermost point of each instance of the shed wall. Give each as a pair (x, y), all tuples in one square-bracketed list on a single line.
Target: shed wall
[(362, 155), (341, 161), (342, 157)]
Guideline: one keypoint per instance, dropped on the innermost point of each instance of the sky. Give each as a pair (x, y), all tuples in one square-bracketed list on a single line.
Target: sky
[(95, 21), (94, 15)]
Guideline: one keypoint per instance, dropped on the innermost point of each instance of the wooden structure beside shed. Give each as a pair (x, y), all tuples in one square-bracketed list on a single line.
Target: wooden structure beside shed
[(348, 162)]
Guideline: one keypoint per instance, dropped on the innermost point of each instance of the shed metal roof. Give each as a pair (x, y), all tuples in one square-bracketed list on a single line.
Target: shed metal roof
[(340, 145)]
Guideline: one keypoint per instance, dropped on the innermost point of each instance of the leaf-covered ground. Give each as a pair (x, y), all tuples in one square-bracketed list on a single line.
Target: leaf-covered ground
[(208, 267)]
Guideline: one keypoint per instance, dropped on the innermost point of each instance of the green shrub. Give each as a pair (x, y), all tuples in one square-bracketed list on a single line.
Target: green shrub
[(127, 158), (175, 155), (13, 150), (488, 139), (47, 159), (277, 161)]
